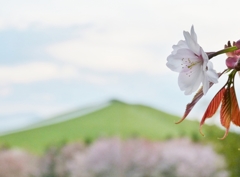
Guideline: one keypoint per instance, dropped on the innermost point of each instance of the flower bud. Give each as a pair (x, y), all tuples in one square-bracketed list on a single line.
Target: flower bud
[(231, 62), (237, 44)]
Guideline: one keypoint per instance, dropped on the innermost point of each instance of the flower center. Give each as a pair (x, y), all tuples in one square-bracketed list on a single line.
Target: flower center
[(187, 65)]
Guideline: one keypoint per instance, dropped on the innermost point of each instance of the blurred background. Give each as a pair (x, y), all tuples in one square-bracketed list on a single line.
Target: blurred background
[(62, 60), (61, 55)]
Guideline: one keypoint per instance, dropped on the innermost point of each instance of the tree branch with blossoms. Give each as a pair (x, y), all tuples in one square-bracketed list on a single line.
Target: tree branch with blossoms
[(195, 68)]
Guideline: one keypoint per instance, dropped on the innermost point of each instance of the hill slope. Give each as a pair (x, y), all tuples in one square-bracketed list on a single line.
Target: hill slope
[(117, 119)]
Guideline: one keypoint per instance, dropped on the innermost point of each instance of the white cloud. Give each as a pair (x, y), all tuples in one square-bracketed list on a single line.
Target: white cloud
[(108, 52), (56, 13), (36, 71), (155, 13), (125, 25), (44, 71)]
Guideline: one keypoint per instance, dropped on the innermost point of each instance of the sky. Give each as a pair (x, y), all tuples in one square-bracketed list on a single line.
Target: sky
[(59, 55)]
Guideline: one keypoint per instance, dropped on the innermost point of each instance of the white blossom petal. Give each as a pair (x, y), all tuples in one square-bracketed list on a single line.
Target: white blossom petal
[(193, 34), (212, 76), (186, 53), (204, 57), (206, 85), (181, 45), (190, 82), (174, 64), (191, 43)]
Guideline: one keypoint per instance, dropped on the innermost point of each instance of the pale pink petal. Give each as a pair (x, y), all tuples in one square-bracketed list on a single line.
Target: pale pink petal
[(211, 73), (206, 85), (174, 63), (204, 57), (181, 45), (191, 43), (190, 82), (186, 53), (195, 85), (193, 34)]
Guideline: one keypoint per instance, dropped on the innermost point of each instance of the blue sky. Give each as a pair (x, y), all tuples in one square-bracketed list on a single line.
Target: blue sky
[(60, 55)]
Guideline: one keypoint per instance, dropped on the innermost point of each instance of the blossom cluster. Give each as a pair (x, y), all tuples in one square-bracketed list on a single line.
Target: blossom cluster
[(196, 74), (113, 157)]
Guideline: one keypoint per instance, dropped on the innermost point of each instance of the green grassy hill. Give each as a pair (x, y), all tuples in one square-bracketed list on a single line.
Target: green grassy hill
[(117, 119), (124, 120)]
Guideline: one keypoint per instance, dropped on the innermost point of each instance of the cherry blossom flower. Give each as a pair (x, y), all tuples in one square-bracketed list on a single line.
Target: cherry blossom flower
[(192, 63), (194, 68), (226, 97)]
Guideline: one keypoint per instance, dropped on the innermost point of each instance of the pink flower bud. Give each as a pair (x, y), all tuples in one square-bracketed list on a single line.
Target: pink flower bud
[(237, 44), (233, 63)]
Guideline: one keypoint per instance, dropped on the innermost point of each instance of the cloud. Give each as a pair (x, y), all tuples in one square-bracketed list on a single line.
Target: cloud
[(120, 29), (35, 71), (154, 13), (45, 71), (56, 13), (109, 53)]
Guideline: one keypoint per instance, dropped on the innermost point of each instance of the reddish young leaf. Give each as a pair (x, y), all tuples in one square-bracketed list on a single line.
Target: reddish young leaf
[(225, 112), (212, 107), (234, 108)]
